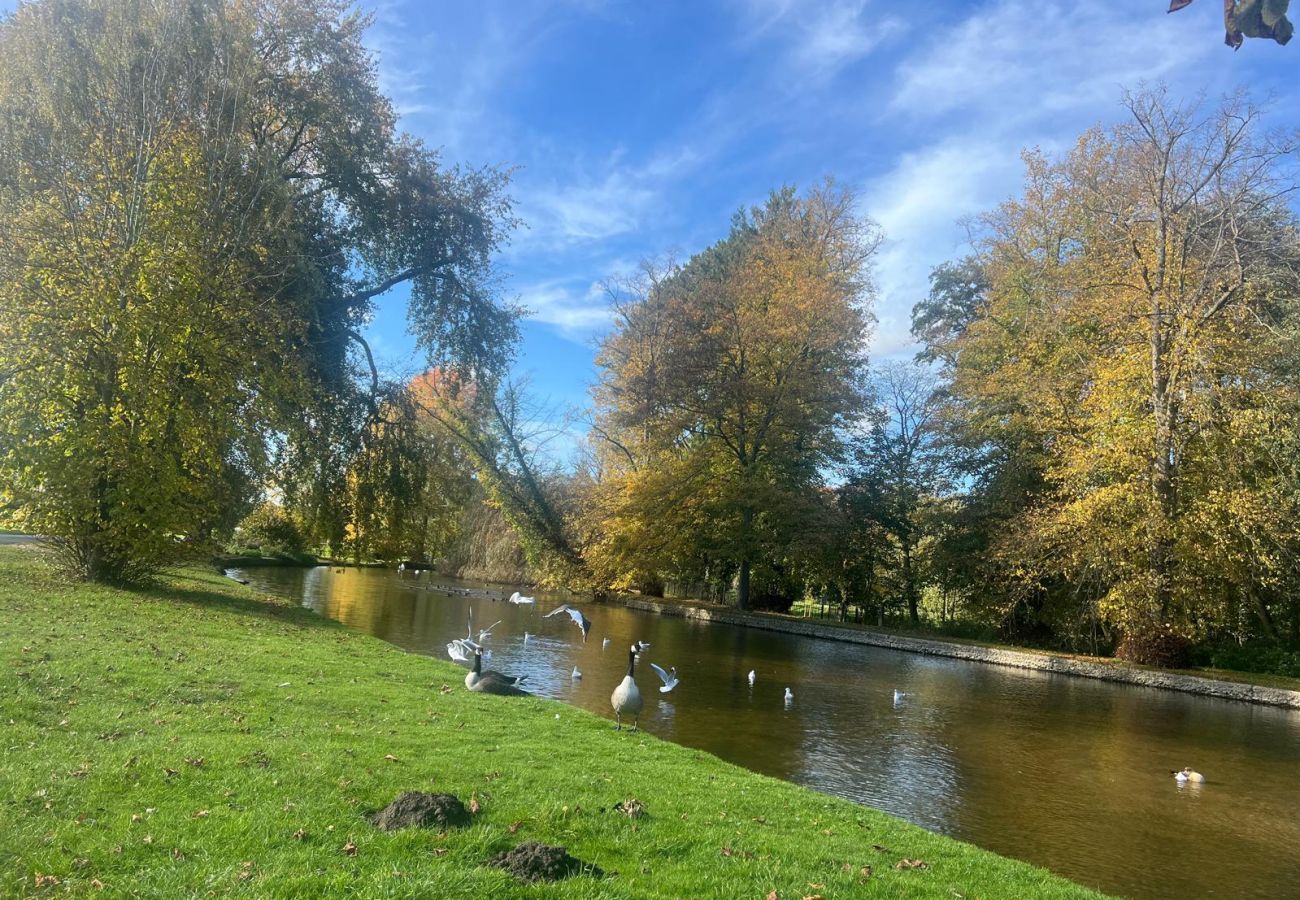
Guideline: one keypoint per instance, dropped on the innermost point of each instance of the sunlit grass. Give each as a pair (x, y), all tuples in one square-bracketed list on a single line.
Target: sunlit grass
[(197, 738)]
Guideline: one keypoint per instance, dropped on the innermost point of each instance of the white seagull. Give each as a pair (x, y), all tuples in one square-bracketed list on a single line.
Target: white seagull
[(576, 615), (520, 600), (789, 696), (898, 698), (487, 632), (576, 673), (668, 678), (604, 643), (751, 677), (458, 651)]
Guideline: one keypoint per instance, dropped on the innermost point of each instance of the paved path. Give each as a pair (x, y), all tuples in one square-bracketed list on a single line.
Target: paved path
[(18, 538)]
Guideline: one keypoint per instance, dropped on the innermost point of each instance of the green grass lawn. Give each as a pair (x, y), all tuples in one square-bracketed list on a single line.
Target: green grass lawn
[(197, 739)]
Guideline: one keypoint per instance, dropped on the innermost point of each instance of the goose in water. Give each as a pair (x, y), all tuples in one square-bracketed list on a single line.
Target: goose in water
[(490, 682), (626, 698), (520, 600), (789, 696), (668, 678), (1187, 775), (751, 677), (576, 615)]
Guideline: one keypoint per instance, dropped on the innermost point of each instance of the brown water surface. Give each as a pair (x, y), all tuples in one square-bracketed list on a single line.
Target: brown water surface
[(1068, 773)]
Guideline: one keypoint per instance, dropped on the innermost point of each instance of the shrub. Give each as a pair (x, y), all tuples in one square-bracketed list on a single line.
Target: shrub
[(271, 529)]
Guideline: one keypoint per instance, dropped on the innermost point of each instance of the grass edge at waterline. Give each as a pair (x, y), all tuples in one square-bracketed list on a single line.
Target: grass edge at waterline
[(195, 737)]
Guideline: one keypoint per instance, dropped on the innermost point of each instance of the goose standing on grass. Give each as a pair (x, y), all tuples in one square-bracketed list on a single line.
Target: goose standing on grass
[(668, 678), (626, 698), (520, 600), (576, 615), (490, 682)]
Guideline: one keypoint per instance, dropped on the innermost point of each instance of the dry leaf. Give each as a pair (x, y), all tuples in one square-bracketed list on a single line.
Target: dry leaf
[(864, 873), (177, 854), (514, 826), (813, 897), (350, 848), (46, 880), (147, 839), (911, 864), (97, 884), (772, 896), (299, 835), (473, 805), (391, 758), (439, 851), (727, 851), (815, 886), (201, 814), (880, 849), (170, 773), (196, 761), (445, 689)]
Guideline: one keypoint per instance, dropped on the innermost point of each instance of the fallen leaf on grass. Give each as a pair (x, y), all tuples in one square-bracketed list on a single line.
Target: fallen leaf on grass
[(196, 761), (880, 849), (815, 886), (473, 805), (147, 839), (350, 848), (200, 814), (391, 758), (772, 896), (911, 864), (727, 851), (247, 870), (299, 835), (439, 851), (813, 897), (170, 773), (97, 884), (514, 826), (46, 880), (177, 854), (445, 689), (864, 873)]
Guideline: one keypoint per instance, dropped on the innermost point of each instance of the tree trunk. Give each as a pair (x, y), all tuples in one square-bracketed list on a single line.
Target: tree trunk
[(742, 582), (1161, 555), (909, 588)]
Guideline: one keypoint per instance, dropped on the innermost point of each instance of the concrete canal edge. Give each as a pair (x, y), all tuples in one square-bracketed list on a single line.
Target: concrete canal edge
[(998, 656)]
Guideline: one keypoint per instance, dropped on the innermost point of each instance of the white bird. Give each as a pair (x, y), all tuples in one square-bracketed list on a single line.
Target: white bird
[(526, 637), (789, 696), (401, 567), (668, 678), (458, 651), (576, 615), (576, 673), (751, 677), (233, 577), (520, 600), (626, 698), (487, 632), (898, 698), (1187, 775), (604, 643)]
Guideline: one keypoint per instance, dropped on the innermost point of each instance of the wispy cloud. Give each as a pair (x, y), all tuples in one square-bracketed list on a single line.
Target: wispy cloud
[(578, 312), (820, 38)]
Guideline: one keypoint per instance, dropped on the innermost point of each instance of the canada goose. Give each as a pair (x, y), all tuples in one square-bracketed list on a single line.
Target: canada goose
[(576, 615), (626, 698), (751, 677), (789, 696), (1187, 775), (490, 682), (668, 678), (520, 600)]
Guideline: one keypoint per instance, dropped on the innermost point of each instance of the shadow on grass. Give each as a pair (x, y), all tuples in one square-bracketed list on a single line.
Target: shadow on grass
[(274, 608)]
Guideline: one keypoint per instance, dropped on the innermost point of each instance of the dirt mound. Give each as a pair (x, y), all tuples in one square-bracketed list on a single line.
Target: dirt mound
[(538, 862), (421, 809)]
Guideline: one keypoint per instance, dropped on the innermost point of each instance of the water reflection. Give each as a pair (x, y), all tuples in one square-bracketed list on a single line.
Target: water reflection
[(1068, 773)]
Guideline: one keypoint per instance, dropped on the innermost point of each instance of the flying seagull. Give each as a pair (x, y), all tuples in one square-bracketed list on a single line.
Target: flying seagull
[(458, 651), (668, 678), (487, 632), (576, 615)]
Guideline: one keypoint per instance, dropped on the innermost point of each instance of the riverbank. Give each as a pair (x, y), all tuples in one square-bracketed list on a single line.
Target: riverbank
[(195, 737), (1239, 687)]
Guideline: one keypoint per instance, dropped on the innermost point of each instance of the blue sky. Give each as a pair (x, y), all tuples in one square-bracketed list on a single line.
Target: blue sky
[(639, 128)]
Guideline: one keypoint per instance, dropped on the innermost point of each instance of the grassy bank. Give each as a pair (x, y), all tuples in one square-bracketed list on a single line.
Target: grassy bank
[(196, 738)]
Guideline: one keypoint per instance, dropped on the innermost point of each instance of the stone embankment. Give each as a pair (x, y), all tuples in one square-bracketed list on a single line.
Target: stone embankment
[(999, 656)]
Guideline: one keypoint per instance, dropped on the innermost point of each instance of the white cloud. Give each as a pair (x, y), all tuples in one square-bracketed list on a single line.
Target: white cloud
[(820, 37), (578, 314)]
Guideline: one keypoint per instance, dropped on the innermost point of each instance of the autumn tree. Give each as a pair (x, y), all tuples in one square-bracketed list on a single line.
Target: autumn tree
[(726, 388), (1140, 293), (198, 204)]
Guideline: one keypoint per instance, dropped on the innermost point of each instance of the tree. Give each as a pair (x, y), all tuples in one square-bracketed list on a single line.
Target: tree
[(198, 204), (902, 468), (1139, 297), (726, 388)]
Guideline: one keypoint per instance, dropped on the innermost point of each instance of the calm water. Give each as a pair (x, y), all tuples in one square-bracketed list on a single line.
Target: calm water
[(1068, 773)]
